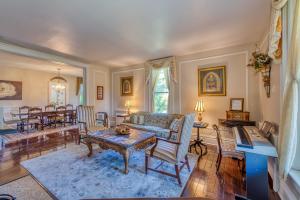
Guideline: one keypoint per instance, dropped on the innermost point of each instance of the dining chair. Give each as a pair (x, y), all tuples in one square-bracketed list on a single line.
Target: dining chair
[(227, 150), (173, 152), (49, 116), (23, 116), (69, 107), (60, 117), (35, 118), (70, 114)]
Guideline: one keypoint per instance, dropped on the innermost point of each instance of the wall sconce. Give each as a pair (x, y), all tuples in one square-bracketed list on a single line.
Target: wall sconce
[(266, 74)]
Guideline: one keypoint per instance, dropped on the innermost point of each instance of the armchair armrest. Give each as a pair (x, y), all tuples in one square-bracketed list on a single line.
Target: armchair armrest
[(84, 126), (171, 133), (161, 139)]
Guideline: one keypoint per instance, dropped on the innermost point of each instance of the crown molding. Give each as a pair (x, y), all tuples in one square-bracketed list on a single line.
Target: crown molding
[(41, 53)]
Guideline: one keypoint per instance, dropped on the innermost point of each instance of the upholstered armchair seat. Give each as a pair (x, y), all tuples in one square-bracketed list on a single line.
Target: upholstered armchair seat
[(173, 152), (164, 151)]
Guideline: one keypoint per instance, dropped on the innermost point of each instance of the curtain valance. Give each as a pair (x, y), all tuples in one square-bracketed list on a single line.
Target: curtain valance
[(275, 35), (168, 62)]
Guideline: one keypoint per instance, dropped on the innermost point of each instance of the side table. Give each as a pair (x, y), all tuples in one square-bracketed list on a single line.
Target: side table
[(199, 142)]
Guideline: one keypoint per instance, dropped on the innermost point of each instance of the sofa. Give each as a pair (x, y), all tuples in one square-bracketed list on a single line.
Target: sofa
[(158, 123)]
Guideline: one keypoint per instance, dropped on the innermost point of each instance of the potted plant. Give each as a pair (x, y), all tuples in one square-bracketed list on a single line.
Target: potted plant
[(261, 62)]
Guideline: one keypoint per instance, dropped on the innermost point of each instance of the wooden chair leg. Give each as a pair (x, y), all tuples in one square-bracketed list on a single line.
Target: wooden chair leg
[(177, 175), (187, 163), (146, 164), (219, 163)]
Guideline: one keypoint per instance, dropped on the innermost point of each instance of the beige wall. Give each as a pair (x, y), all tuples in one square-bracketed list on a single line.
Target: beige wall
[(35, 87), (241, 82), (139, 99), (98, 76)]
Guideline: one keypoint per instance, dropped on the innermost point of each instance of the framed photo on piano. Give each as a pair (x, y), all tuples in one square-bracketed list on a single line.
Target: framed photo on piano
[(237, 104)]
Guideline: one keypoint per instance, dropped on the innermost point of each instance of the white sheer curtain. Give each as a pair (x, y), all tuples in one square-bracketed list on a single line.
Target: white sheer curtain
[(168, 83), (288, 124), (154, 77), (153, 68)]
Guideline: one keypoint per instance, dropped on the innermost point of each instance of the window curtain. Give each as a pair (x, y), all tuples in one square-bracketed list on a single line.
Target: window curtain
[(155, 74), (152, 73), (168, 83), (288, 123), (79, 81), (275, 36)]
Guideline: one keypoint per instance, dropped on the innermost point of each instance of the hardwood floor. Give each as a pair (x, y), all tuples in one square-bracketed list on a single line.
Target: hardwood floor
[(204, 181)]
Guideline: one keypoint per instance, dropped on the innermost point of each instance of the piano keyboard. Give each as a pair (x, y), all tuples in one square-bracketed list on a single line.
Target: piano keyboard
[(242, 137)]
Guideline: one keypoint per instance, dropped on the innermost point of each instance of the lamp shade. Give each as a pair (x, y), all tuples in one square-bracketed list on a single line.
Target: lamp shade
[(199, 106), (127, 104)]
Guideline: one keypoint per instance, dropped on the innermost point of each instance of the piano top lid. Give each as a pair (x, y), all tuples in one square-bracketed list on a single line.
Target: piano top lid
[(261, 145)]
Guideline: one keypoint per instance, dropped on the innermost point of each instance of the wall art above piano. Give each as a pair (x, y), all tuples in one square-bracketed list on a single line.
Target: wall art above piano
[(10, 90)]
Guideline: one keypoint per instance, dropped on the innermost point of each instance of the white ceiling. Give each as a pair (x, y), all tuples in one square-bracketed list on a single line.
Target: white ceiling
[(16, 61), (126, 32)]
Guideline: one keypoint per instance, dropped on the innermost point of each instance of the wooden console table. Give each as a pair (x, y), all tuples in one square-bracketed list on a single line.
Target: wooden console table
[(123, 144)]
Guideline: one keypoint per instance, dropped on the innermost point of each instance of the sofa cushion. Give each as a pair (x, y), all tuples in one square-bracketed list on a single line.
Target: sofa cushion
[(176, 124), (160, 132)]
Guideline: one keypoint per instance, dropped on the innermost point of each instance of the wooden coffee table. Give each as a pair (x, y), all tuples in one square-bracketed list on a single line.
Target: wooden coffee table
[(123, 144)]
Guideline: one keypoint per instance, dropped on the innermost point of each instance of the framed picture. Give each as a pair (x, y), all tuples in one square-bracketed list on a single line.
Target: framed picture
[(10, 90), (99, 92), (212, 81), (237, 104), (126, 86)]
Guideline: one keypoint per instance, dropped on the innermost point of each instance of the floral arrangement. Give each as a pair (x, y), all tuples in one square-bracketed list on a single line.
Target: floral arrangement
[(259, 61)]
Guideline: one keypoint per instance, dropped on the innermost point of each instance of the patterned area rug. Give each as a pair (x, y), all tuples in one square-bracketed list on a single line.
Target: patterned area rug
[(70, 174)]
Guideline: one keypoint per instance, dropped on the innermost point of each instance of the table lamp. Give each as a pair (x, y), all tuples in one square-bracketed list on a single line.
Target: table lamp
[(200, 109), (128, 105)]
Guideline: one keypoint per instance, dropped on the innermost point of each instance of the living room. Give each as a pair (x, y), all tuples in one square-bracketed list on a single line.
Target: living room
[(149, 99)]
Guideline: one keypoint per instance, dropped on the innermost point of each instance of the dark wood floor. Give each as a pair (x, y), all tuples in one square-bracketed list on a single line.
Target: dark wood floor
[(204, 181)]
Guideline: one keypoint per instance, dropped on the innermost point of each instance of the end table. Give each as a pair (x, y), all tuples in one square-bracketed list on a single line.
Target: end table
[(199, 142)]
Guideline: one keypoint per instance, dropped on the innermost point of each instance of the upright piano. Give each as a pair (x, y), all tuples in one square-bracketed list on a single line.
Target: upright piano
[(257, 149)]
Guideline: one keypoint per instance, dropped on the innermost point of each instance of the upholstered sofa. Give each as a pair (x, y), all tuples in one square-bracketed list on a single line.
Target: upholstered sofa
[(158, 123)]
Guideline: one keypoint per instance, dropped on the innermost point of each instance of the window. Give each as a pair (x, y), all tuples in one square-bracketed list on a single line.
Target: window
[(161, 92), (81, 94)]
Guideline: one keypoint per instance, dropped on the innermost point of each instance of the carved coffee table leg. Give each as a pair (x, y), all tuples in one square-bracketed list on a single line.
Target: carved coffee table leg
[(126, 158), (90, 146)]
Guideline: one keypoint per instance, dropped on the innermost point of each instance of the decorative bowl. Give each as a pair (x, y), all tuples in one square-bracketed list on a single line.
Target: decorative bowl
[(122, 130)]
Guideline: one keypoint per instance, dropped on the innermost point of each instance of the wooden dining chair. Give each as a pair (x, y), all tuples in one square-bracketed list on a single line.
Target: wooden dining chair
[(23, 116), (69, 107), (35, 118), (227, 150), (49, 116), (60, 117)]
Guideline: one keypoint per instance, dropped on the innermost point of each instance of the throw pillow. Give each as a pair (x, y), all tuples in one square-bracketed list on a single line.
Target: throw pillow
[(141, 120), (135, 119), (176, 124)]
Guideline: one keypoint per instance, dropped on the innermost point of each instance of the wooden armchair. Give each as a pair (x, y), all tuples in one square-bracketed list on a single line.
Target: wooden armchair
[(226, 150), (86, 117), (174, 152)]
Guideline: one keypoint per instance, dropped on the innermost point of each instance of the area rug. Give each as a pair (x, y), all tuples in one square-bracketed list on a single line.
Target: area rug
[(70, 174)]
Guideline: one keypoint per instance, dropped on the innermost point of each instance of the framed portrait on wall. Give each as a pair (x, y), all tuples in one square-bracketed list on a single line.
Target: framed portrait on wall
[(212, 81), (10, 90), (99, 92), (237, 104), (126, 86)]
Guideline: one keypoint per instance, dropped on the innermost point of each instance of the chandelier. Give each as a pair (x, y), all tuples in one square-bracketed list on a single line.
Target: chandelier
[(58, 82)]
